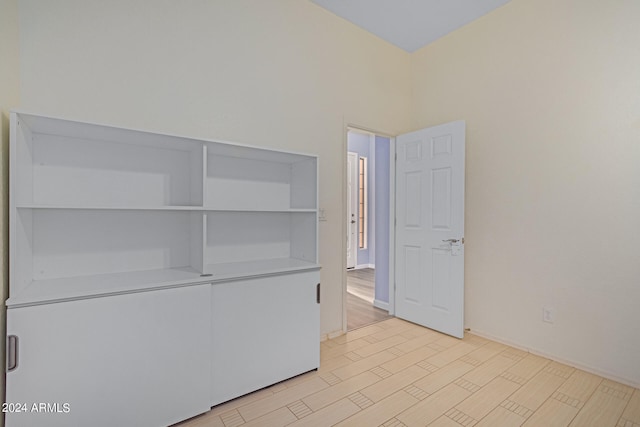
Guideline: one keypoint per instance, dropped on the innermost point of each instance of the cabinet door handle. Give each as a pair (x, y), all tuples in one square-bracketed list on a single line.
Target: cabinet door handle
[(12, 352), (318, 293)]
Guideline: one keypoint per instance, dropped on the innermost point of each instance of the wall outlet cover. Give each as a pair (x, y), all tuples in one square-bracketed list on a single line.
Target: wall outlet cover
[(548, 314)]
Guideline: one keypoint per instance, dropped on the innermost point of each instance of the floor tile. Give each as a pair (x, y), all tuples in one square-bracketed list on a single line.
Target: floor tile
[(537, 390), (381, 411), (552, 413), (342, 389), (502, 417), (444, 376), (604, 407), (431, 408), (394, 383), (363, 365), (487, 398), (632, 411), (275, 401), (329, 415), (489, 370)]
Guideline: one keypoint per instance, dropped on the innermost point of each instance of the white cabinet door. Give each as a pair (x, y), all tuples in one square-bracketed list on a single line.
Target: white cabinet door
[(265, 330), (140, 359)]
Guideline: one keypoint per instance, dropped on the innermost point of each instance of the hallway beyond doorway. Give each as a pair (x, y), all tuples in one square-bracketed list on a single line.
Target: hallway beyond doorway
[(360, 295)]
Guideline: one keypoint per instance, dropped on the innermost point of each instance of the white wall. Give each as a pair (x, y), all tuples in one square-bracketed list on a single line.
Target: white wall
[(278, 73), (550, 93), (9, 97)]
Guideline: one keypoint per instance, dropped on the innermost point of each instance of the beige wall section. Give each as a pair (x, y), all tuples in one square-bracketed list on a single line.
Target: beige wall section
[(549, 90), (9, 98), (278, 73)]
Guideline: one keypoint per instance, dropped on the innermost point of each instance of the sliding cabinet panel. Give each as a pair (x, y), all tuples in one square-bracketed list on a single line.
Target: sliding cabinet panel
[(139, 359), (264, 331)]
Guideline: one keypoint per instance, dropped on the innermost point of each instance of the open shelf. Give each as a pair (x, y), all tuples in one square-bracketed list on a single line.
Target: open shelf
[(63, 162), (237, 237), (246, 178), (93, 204), (57, 245)]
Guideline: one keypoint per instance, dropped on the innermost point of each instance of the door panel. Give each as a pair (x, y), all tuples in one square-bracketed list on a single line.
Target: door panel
[(441, 199), (441, 262), (430, 227), (413, 269), (413, 205)]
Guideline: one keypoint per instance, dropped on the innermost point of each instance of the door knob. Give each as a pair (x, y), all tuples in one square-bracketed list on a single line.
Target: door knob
[(353, 221), (451, 240)]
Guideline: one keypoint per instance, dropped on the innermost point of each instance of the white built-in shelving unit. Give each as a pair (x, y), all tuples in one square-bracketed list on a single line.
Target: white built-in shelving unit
[(104, 212)]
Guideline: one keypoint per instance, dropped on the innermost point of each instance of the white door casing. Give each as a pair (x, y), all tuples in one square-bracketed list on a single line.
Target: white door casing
[(352, 209), (430, 227)]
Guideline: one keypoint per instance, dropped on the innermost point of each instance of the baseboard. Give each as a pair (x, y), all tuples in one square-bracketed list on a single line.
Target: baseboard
[(381, 304), (361, 266), (331, 335), (586, 368)]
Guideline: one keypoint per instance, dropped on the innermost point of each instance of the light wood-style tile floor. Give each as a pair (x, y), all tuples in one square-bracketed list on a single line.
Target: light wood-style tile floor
[(395, 373)]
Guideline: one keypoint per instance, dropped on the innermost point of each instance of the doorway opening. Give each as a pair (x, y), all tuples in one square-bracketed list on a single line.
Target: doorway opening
[(368, 224)]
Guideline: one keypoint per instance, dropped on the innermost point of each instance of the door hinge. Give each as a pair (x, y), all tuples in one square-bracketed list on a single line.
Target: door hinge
[(318, 293)]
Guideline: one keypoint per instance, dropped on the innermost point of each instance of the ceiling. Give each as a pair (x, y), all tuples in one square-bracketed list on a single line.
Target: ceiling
[(410, 24)]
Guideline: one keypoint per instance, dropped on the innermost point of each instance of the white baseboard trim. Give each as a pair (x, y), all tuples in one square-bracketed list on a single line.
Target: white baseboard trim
[(331, 335), (381, 304), (587, 368)]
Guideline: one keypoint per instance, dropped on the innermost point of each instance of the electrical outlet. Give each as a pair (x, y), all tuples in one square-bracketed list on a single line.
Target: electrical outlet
[(548, 314)]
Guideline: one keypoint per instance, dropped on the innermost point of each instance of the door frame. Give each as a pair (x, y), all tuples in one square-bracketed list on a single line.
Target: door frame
[(352, 208), (392, 213)]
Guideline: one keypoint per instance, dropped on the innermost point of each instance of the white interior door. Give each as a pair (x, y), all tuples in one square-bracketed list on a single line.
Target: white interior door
[(430, 227), (352, 209)]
